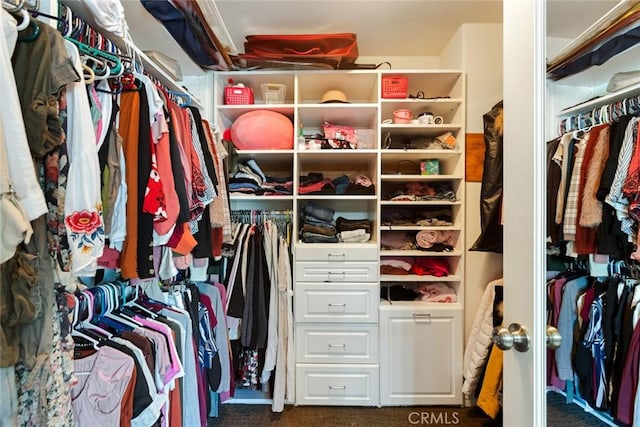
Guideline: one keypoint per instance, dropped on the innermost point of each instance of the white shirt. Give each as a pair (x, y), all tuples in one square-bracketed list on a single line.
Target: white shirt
[(83, 202), (109, 14)]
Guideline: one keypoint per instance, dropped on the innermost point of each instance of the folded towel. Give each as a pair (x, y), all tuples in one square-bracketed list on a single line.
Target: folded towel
[(403, 263), (436, 292), (427, 238), (355, 239)]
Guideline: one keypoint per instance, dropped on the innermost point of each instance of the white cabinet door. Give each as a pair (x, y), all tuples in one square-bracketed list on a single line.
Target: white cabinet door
[(420, 355)]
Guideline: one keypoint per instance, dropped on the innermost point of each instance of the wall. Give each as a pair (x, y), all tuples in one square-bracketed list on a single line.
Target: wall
[(402, 62), (477, 50)]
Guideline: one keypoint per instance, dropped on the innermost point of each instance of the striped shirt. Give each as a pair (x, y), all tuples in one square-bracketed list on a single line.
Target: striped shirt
[(615, 197)]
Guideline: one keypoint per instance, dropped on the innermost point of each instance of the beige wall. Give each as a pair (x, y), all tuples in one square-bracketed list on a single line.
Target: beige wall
[(477, 50), (402, 62)]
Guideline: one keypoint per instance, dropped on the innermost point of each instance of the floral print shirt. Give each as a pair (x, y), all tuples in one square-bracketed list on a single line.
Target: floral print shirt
[(83, 203)]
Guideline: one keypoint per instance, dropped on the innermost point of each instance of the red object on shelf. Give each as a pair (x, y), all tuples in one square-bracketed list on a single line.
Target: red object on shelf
[(237, 95), (395, 87)]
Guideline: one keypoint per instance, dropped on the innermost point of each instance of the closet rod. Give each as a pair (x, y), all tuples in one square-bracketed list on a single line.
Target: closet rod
[(591, 112)]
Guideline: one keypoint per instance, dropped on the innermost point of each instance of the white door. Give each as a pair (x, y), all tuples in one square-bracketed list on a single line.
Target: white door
[(524, 209)]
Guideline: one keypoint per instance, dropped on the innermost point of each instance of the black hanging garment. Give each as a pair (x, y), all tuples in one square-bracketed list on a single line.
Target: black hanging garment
[(490, 239)]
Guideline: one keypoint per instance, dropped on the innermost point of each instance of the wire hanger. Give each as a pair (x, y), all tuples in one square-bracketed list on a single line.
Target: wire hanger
[(62, 22)]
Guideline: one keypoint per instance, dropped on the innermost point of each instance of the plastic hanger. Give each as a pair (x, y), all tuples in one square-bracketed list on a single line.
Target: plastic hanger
[(88, 74), (87, 323), (134, 304), (114, 62), (113, 306)]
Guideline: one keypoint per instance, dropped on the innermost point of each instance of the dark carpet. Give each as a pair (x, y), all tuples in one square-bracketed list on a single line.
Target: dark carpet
[(325, 416), (559, 414)]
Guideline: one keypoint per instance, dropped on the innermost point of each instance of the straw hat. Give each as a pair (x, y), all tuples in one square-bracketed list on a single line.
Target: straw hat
[(334, 95)]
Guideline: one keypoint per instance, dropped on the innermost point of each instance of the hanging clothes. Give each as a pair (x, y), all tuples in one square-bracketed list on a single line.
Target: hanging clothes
[(490, 239)]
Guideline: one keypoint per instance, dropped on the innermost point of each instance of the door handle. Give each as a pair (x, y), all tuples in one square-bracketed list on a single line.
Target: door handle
[(515, 336), (554, 339)]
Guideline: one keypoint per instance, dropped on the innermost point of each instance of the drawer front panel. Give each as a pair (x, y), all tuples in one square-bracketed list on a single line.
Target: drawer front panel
[(337, 343), (328, 385), (336, 253), (329, 302), (332, 272)]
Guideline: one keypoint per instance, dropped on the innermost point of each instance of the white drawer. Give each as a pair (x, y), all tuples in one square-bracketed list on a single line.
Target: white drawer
[(339, 303), (307, 271), (337, 343), (336, 253), (352, 385)]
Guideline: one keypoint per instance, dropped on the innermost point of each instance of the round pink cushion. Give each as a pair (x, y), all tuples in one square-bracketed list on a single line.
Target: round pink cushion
[(262, 130)]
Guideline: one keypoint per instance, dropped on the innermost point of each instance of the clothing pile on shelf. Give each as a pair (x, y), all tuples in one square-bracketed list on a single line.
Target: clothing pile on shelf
[(416, 215), (427, 240), (422, 191), (317, 183), (248, 178), (187, 24), (421, 266), (319, 226), (417, 291)]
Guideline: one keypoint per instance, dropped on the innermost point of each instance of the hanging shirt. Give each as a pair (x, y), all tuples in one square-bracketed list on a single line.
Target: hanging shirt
[(83, 203), (615, 197), (594, 339), (21, 170), (102, 380)]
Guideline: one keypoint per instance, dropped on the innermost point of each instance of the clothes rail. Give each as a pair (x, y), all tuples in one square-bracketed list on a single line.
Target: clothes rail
[(601, 113), (257, 215)]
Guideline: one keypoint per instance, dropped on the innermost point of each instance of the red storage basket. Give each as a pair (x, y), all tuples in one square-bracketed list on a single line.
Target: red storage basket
[(234, 95), (395, 87)]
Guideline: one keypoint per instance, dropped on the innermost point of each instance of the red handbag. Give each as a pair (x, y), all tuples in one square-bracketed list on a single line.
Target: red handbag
[(338, 47)]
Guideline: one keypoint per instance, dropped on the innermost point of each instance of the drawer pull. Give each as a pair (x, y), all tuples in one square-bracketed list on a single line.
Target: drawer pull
[(337, 387), (342, 274), (337, 345), (336, 307), (336, 256), (422, 317)]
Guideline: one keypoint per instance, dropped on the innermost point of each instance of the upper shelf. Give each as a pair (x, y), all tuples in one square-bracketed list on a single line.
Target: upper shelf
[(146, 28), (598, 75), (601, 100)]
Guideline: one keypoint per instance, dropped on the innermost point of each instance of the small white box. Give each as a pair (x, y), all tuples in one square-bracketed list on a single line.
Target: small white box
[(366, 139)]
